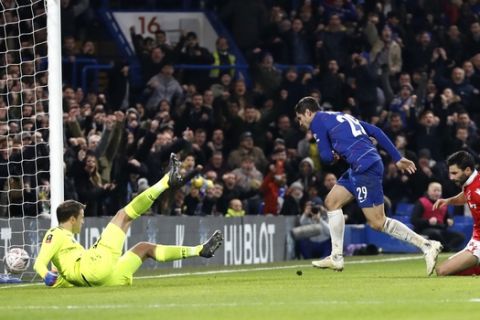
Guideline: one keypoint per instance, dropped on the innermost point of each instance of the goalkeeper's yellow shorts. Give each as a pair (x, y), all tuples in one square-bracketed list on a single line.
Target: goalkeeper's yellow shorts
[(123, 270), (101, 265)]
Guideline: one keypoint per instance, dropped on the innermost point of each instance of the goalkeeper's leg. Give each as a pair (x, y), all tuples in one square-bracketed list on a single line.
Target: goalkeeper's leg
[(163, 253), (141, 203), (99, 262), (131, 261)]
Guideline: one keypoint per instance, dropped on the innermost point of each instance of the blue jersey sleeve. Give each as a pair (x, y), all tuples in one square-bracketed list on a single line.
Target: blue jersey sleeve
[(382, 139), (321, 137)]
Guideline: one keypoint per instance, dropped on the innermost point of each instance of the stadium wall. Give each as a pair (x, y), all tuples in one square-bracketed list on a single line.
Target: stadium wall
[(248, 240)]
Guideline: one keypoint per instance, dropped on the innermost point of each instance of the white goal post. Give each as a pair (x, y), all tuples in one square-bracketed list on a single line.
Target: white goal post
[(31, 124), (54, 41)]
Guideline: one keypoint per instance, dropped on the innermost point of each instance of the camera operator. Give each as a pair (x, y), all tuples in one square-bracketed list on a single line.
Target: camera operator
[(313, 235)]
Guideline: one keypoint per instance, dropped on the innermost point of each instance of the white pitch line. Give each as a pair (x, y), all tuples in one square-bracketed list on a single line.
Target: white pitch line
[(253, 269), (202, 273), (180, 305), (213, 305), (21, 285)]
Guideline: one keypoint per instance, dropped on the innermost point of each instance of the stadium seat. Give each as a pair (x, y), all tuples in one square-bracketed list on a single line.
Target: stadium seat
[(354, 233), (463, 227), (387, 243), (451, 210), (463, 219), (404, 209)]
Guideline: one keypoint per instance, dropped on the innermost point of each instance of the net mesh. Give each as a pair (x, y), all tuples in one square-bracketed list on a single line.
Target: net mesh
[(24, 152)]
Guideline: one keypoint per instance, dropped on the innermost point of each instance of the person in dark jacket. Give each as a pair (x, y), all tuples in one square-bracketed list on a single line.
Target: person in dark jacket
[(91, 189), (188, 51)]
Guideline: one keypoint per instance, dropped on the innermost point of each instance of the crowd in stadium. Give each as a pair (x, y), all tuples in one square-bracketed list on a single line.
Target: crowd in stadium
[(410, 67)]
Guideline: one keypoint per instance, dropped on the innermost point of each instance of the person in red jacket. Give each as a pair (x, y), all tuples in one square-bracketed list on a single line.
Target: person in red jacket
[(274, 184), (435, 223), (461, 169)]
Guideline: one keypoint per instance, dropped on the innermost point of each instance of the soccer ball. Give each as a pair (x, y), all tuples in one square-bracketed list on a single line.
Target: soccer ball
[(17, 260)]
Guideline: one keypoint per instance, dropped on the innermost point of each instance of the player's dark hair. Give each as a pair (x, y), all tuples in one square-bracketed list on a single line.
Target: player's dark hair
[(67, 209), (462, 159), (307, 103)]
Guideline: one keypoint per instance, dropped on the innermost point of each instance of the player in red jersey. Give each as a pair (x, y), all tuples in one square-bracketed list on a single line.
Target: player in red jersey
[(461, 168)]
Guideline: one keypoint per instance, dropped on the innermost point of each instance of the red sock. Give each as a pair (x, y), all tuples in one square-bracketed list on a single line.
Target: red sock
[(469, 272)]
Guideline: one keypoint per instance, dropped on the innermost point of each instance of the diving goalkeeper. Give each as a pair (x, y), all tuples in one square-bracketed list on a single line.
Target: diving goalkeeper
[(103, 264)]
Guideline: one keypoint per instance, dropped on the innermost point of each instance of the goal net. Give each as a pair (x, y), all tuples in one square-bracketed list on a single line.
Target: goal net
[(25, 128)]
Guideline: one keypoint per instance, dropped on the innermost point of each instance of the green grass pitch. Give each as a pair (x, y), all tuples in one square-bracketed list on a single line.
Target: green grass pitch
[(380, 287)]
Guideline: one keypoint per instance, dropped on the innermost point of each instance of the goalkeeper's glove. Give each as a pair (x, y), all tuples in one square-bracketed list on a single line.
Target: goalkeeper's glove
[(50, 278)]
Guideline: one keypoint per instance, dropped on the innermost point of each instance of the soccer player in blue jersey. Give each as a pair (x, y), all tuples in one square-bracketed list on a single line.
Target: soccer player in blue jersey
[(341, 135)]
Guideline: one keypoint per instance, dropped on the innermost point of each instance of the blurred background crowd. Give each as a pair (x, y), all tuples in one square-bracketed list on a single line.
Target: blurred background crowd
[(410, 67)]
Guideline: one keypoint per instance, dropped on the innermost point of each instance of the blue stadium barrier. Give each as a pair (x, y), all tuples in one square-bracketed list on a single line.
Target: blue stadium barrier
[(387, 243), (237, 67), (404, 209), (298, 67), (74, 65), (354, 234)]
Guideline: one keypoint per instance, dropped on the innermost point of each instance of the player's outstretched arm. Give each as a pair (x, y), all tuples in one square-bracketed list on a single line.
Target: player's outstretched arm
[(406, 165), (383, 141), (457, 200), (50, 245)]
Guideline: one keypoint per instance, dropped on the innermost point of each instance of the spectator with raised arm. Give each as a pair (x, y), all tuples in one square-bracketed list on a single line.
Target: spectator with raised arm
[(152, 58), (91, 189), (387, 54)]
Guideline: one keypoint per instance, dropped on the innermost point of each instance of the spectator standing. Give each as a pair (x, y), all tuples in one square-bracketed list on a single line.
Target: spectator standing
[(163, 86), (299, 44), (188, 51), (222, 57), (267, 77)]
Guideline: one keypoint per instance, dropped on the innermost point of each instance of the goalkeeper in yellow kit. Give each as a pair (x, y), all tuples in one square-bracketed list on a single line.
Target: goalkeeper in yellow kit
[(103, 264)]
